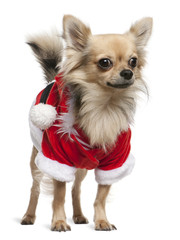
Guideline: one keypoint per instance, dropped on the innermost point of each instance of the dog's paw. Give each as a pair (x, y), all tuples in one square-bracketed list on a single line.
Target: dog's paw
[(80, 219), (28, 220), (60, 226), (103, 225)]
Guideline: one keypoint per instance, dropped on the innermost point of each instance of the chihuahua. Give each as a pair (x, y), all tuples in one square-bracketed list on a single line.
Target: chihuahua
[(82, 119)]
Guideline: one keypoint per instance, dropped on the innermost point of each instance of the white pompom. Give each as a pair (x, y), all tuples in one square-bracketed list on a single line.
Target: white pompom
[(43, 115)]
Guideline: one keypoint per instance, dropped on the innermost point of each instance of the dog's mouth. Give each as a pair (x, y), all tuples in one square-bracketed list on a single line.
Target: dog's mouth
[(118, 85)]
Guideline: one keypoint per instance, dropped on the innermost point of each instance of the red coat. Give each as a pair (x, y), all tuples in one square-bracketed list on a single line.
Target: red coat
[(71, 147)]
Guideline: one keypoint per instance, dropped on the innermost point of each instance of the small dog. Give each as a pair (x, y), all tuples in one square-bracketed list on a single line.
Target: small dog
[(82, 120)]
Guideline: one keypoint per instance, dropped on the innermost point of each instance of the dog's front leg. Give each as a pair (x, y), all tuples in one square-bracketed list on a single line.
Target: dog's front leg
[(59, 216), (78, 216), (100, 219)]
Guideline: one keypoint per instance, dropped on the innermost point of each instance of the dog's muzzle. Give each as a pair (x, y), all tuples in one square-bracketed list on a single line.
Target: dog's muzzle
[(126, 79)]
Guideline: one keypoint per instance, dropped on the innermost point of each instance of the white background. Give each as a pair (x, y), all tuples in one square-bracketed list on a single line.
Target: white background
[(146, 205)]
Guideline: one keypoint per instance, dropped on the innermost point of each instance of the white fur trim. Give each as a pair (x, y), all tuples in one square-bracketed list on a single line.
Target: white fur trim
[(54, 169), (111, 176), (43, 115), (67, 120), (36, 135)]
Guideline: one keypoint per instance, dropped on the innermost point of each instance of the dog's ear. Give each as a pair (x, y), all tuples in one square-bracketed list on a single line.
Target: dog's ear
[(75, 32), (141, 31)]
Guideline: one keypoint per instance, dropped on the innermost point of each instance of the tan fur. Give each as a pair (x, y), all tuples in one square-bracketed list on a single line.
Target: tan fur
[(99, 109)]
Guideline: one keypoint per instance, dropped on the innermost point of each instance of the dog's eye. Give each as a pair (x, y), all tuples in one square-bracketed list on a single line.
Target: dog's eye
[(105, 63), (133, 62)]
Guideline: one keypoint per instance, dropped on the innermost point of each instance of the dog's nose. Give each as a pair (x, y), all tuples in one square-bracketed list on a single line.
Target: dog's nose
[(126, 74)]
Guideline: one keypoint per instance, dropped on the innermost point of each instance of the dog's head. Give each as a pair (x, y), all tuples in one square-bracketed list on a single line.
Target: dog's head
[(110, 60)]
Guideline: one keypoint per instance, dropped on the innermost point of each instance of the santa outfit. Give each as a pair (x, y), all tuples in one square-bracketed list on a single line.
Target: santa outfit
[(63, 147)]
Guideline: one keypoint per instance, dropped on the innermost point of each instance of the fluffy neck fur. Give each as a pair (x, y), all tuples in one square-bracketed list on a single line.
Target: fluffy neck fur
[(103, 114)]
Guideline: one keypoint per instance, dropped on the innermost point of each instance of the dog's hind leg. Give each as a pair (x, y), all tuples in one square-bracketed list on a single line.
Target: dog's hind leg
[(30, 215), (78, 216), (100, 219)]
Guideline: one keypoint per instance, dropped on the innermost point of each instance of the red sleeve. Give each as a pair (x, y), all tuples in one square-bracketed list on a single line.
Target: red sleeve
[(119, 154)]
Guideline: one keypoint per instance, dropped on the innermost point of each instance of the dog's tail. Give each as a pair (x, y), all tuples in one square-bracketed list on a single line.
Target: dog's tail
[(47, 48)]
